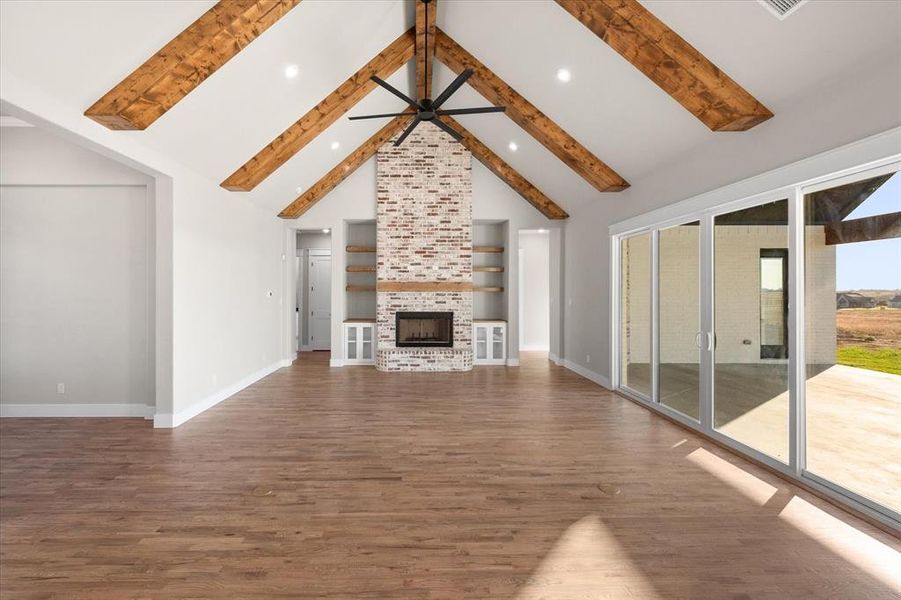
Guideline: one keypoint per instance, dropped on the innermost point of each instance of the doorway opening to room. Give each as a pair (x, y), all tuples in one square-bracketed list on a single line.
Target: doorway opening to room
[(534, 290), (313, 308)]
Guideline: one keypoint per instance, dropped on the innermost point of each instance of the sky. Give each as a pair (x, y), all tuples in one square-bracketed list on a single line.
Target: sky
[(872, 265)]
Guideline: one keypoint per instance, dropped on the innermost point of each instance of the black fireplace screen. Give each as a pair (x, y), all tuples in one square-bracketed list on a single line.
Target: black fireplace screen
[(425, 329)]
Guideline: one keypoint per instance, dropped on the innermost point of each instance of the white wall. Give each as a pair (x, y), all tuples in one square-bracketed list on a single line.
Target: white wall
[(535, 315), (76, 280), (845, 111), (217, 258)]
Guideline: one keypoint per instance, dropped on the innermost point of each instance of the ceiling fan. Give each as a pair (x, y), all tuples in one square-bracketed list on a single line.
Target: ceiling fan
[(426, 108)]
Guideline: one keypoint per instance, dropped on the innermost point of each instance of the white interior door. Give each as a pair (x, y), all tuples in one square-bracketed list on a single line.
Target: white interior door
[(320, 305)]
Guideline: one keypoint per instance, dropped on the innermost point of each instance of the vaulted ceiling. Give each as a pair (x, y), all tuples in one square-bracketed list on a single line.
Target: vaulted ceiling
[(633, 121)]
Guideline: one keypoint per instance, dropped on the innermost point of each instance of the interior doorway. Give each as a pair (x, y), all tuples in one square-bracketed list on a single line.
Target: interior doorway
[(534, 290), (314, 290)]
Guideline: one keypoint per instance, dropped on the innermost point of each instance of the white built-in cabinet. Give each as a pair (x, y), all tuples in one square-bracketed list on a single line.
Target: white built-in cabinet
[(359, 342), (489, 342)]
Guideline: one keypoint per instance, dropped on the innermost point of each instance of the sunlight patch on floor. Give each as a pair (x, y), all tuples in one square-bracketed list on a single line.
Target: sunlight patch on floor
[(751, 487), (586, 562), (870, 555)]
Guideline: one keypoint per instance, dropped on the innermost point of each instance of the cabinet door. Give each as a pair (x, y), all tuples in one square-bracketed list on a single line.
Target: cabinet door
[(497, 342), (481, 342), (366, 342), (351, 335)]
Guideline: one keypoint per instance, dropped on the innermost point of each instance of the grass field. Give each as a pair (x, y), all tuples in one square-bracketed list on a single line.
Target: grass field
[(870, 338), (886, 360)]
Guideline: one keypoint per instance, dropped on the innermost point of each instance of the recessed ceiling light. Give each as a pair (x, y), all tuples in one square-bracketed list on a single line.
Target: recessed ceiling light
[(512, 146), (335, 145), (564, 75), (291, 71), (326, 230)]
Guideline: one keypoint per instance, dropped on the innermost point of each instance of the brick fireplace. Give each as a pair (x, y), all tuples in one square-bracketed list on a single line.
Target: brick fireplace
[(424, 246)]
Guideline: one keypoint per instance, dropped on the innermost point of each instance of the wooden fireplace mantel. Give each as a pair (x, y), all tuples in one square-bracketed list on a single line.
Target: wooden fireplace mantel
[(423, 286)]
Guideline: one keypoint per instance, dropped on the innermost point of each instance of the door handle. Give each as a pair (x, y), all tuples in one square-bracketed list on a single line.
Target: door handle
[(698, 338)]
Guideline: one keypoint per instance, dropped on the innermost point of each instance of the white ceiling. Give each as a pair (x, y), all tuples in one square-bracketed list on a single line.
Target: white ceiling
[(77, 50)]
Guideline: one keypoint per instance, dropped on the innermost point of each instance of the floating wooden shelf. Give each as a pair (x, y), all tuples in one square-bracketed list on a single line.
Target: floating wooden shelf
[(360, 268), (360, 288), (494, 249), (488, 289), (360, 248), (488, 269)]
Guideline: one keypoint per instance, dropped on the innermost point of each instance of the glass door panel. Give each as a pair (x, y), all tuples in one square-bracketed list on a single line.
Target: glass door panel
[(352, 343), (481, 343), (497, 342), (750, 393), (367, 343), (679, 318), (853, 336), (635, 314)]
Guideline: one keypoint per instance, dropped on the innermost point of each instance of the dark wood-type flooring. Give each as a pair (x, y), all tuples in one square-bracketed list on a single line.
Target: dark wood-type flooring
[(349, 483)]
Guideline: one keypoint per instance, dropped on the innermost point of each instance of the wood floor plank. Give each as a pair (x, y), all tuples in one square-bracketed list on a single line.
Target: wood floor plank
[(350, 483)]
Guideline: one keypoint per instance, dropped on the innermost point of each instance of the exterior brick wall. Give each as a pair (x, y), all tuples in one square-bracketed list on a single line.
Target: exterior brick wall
[(424, 234)]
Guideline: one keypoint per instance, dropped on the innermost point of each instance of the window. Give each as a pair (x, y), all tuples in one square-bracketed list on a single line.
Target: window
[(774, 303)]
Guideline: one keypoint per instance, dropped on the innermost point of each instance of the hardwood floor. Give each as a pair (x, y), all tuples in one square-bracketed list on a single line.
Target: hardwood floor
[(350, 483)]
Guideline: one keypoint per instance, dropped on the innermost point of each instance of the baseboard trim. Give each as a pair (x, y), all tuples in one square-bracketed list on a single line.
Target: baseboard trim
[(555, 359), (588, 374), (512, 362), (75, 410), (335, 362), (287, 362), (169, 420)]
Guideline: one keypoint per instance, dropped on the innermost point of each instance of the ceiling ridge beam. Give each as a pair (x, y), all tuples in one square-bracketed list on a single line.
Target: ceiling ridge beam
[(185, 62), (507, 174), (425, 52), (321, 116), (342, 170), (676, 66), (576, 156)]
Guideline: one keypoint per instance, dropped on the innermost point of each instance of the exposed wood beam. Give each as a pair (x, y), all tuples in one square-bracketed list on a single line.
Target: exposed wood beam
[(536, 123), (877, 227), (343, 169), (507, 174), (670, 62), (425, 46), (321, 116), (185, 62)]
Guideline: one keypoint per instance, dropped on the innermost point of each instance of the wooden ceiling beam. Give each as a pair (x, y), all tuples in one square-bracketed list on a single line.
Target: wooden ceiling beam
[(576, 156), (343, 169), (321, 116), (185, 62), (425, 46), (876, 227), (507, 174), (676, 66)]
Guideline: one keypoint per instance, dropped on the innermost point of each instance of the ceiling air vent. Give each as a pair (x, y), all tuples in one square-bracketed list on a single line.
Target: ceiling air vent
[(782, 8)]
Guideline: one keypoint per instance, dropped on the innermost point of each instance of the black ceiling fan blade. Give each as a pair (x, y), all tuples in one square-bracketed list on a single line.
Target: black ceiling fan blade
[(472, 111), (407, 132), (400, 114), (453, 87), (447, 129), (394, 91)]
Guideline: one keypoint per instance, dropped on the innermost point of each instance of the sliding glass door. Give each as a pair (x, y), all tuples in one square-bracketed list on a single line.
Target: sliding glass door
[(773, 325), (750, 391), (679, 313), (853, 339), (635, 314)]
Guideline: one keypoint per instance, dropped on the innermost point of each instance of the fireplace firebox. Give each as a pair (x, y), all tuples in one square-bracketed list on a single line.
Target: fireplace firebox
[(424, 329)]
